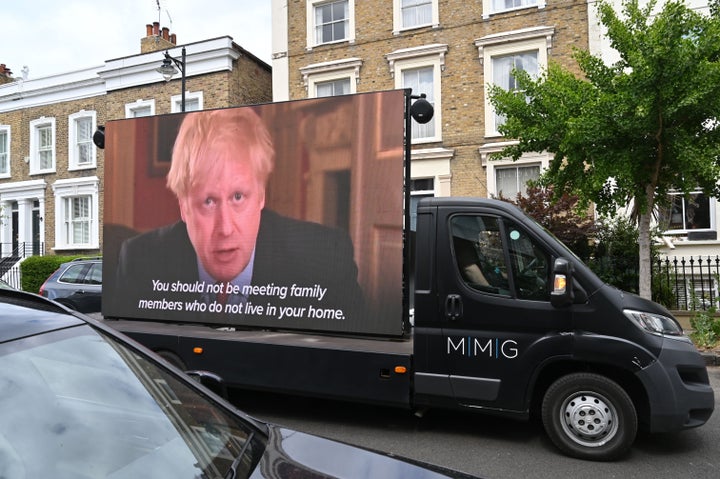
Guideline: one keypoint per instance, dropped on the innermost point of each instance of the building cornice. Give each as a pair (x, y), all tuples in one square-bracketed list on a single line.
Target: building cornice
[(49, 90), (207, 56)]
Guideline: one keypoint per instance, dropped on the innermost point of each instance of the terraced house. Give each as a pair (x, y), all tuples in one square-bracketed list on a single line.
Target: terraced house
[(447, 49), (450, 50), (51, 173)]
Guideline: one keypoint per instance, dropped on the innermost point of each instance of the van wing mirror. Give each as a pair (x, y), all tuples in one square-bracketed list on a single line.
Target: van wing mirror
[(563, 293)]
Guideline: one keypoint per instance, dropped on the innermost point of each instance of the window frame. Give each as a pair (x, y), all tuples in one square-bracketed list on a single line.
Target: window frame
[(489, 8), (493, 258), (71, 221), (334, 83), (6, 130), (311, 37), (712, 211), (416, 194), (509, 43), (73, 146), (497, 119), (35, 127), (528, 159), (416, 58), (176, 101), (130, 108), (65, 190), (331, 71), (399, 27), (516, 167)]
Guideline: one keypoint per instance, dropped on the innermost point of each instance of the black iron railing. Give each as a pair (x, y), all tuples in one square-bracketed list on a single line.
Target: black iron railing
[(687, 283), (10, 256)]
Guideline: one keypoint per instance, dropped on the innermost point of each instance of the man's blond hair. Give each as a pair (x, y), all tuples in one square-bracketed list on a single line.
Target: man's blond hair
[(229, 128)]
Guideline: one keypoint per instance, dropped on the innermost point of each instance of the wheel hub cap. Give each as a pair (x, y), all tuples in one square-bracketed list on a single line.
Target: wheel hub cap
[(589, 418)]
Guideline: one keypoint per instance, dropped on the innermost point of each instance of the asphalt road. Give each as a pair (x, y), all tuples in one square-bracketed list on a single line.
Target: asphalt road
[(489, 447)]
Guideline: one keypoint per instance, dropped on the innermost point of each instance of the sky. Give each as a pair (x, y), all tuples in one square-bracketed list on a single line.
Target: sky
[(55, 36)]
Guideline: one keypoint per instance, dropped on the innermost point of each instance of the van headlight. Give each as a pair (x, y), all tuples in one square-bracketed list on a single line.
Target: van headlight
[(656, 324)]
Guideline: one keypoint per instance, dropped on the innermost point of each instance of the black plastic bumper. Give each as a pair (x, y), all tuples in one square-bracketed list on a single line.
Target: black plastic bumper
[(678, 388)]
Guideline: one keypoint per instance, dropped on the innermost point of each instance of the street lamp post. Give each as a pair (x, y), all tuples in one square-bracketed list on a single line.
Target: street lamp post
[(168, 71)]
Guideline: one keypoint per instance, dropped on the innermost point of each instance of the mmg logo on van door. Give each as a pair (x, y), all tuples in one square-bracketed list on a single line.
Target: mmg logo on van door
[(492, 348)]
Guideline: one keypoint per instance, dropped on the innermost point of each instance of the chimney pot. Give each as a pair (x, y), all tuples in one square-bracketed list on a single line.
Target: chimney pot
[(156, 28), (148, 30), (173, 39), (166, 33)]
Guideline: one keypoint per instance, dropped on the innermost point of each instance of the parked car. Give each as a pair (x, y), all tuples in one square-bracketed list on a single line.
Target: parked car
[(80, 400), (77, 284)]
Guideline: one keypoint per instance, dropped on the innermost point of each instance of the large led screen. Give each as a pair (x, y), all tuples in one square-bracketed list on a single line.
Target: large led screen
[(284, 215)]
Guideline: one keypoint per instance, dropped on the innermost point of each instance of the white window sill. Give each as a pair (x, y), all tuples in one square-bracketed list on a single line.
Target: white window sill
[(82, 167), (76, 247)]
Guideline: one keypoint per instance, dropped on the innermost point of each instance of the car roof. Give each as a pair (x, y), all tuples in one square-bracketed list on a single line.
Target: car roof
[(25, 314)]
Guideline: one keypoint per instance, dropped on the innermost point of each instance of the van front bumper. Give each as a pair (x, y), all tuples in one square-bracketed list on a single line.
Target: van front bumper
[(678, 388)]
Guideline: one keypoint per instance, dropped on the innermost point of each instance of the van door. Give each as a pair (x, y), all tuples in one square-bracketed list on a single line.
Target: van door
[(498, 323)]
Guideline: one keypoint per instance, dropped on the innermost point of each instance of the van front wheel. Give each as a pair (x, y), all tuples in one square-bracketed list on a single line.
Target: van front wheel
[(589, 416)]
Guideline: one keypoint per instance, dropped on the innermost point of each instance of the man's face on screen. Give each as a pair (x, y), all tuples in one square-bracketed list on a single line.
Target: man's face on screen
[(222, 213)]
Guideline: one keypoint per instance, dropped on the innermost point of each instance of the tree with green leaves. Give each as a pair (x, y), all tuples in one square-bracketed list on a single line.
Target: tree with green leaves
[(560, 216), (627, 134)]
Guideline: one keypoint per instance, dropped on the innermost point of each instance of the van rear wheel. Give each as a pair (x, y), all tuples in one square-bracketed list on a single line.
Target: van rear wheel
[(589, 416)]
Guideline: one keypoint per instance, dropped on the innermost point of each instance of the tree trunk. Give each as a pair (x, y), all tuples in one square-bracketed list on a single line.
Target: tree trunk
[(644, 239)]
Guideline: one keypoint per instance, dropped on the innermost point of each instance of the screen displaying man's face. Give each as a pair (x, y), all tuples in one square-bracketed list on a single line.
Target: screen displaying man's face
[(222, 213)]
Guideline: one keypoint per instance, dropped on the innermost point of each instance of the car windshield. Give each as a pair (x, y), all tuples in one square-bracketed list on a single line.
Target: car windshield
[(79, 404)]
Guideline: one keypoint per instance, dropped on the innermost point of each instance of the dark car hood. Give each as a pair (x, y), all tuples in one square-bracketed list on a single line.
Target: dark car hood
[(296, 455)]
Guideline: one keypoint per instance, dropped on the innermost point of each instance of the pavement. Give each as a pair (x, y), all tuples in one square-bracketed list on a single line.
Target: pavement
[(712, 358)]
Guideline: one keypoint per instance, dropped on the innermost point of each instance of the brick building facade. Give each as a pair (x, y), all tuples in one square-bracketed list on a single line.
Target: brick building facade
[(448, 49), (51, 173)]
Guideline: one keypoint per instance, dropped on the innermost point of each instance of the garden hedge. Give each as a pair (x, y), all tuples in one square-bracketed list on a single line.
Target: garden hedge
[(36, 269)]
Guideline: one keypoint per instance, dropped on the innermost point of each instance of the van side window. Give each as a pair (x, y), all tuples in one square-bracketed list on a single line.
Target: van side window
[(497, 256), (478, 248), (529, 263)]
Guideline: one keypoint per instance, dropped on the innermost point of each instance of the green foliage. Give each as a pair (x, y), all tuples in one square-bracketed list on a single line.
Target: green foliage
[(36, 269), (630, 132), (706, 328), (560, 216), (616, 257), (662, 290), (641, 121)]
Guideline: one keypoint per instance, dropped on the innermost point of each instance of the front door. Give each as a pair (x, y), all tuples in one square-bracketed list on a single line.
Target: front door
[(35, 231), (499, 325), (15, 228)]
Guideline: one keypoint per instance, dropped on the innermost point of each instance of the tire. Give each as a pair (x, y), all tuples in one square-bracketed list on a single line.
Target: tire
[(572, 399), (172, 359)]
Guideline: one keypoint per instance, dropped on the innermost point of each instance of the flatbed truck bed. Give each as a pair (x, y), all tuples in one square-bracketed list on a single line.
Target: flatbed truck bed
[(372, 370)]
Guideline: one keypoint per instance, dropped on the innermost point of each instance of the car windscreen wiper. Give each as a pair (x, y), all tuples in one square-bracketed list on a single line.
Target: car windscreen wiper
[(232, 472)]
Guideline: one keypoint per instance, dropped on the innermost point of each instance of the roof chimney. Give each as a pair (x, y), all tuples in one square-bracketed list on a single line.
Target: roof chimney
[(157, 39), (5, 74)]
